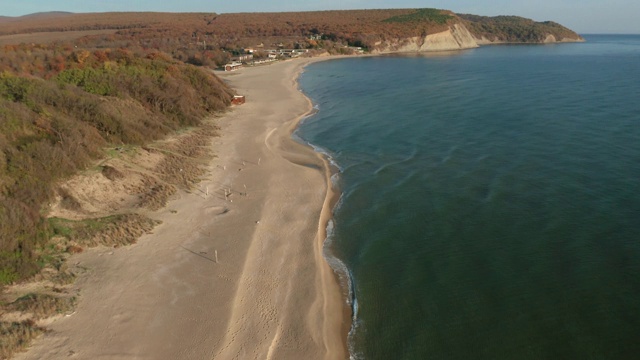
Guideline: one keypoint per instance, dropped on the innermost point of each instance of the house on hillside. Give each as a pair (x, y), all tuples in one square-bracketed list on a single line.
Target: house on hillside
[(243, 58)]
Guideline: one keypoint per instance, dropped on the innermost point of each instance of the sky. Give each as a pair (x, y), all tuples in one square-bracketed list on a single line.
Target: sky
[(583, 16)]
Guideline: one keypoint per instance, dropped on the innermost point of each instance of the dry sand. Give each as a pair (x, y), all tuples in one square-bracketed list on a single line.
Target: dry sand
[(224, 277)]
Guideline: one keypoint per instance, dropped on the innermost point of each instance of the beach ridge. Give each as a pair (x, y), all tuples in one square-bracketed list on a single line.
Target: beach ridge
[(324, 321)]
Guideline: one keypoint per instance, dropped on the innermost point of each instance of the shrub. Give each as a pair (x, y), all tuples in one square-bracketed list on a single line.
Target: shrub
[(15, 336)]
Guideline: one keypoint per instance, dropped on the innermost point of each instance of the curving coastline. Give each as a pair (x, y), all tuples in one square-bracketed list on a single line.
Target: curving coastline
[(265, 212)]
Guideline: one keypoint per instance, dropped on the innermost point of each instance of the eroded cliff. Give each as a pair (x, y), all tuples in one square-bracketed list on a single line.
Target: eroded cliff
[(457, 37)]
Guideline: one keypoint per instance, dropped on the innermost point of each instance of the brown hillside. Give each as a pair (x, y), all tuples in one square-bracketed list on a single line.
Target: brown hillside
[(172, 31)]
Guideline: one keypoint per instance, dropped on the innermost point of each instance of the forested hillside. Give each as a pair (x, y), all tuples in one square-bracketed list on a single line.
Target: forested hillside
[(211, 39), (515, 29)]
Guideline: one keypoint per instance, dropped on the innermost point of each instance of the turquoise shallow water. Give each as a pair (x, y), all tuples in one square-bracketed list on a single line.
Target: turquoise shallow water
[(490, 199)]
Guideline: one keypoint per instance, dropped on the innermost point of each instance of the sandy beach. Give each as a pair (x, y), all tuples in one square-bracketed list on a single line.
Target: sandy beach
[(237, 276)]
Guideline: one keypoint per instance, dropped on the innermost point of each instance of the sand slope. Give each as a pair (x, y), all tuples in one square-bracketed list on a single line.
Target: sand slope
[(270, 295)]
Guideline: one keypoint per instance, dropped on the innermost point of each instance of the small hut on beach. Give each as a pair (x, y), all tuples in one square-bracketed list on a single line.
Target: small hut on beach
[(238, 100)]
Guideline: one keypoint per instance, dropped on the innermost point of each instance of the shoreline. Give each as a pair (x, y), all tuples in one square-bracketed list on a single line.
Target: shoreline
[(340, 271), (326, 215), (225, 276), (331, 200)]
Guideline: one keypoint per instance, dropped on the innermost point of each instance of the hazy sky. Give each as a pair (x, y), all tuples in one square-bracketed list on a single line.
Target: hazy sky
[(583, 16)]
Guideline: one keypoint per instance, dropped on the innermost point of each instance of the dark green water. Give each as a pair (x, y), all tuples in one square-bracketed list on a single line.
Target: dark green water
[(491, 199)]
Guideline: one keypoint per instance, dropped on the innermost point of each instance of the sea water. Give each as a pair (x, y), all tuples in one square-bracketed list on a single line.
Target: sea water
[(490, 199)]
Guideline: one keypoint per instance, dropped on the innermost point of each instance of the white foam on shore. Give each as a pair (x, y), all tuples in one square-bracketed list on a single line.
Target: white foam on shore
[(346, 281), (327, 155), (324, 152), (345, 277), (335, 180)]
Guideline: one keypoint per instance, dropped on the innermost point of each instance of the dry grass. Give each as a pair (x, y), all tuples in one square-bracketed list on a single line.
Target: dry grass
[(16, 336), (156, 196), (111, 173), (114, 231), (42, 306), (182, 163)]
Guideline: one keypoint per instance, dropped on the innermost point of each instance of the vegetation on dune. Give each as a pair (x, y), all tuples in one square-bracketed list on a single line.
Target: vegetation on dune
[(113, 230), (515, 29), (61, 109), (53, 128), (16, 336), (42, 306)]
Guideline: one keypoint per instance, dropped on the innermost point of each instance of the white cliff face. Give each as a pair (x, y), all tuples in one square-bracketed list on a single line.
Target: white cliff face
[(457, 37)]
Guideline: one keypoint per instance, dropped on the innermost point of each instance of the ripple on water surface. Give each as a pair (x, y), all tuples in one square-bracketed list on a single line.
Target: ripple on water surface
[(490, 199)]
